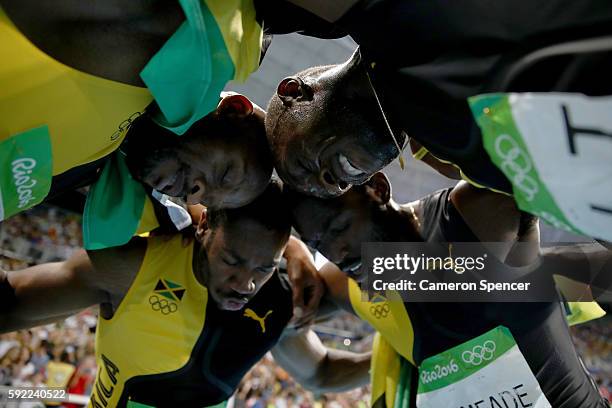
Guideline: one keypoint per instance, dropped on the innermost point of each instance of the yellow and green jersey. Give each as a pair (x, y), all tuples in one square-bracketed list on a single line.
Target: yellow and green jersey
[(168, 344)]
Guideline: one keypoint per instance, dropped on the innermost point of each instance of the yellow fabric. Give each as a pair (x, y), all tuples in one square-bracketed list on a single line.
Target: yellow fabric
[(422, 152), (241, 33), (83, 112), (148, 219), (582, 312), (139, 340), (388, 316), (579, 312), (384, 371)]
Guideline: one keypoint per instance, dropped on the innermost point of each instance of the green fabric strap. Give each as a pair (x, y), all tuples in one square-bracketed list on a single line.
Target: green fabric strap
[(26, 175), (114, 206), (190, 70), (402, 395)]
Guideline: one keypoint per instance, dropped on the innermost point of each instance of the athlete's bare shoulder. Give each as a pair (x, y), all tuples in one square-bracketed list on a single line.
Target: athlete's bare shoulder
[(113, 39), (115, 268)]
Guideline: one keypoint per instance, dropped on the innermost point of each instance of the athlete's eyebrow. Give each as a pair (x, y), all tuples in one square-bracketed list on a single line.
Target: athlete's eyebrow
[(234, 255)]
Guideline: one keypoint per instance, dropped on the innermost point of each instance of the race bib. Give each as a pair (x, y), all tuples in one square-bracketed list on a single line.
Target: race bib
[(556, 150), (27, 169), (488, 371)]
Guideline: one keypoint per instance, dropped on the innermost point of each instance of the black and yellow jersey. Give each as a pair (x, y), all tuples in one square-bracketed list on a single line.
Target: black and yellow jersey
[(168, 345), (412, 332)]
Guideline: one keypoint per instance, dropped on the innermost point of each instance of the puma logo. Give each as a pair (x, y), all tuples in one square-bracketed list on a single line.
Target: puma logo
[(250, 313)]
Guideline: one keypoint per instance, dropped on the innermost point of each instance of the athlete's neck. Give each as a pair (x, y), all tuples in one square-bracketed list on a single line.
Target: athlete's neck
[(199, 263), (401, 223)]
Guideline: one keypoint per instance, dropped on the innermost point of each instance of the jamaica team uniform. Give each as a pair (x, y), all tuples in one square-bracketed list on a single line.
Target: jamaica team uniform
[(539, 360), (168, 346)]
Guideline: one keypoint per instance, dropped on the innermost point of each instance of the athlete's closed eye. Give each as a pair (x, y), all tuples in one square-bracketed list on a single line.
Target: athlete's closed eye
[(339, 228), (266, 269), (229, 261)]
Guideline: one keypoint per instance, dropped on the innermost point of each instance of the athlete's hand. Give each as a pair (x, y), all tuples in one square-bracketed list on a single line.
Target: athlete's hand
[(307, 286)]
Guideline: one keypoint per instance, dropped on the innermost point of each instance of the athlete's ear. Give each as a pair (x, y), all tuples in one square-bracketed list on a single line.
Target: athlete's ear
[(234, 104), (202, 226), (293, 89), (379, 188)]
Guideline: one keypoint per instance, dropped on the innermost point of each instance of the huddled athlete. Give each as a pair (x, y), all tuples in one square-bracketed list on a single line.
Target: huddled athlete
[(189, 251)]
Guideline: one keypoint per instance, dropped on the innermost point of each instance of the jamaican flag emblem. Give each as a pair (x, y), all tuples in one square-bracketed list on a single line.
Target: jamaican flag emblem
[(165, 297), (169, 290), (377, 297)]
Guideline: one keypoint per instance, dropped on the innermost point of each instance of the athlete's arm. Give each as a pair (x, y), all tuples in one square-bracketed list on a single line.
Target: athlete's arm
[(492, 217), (336, 295), (318, 368), (307, 285), (50, 292)]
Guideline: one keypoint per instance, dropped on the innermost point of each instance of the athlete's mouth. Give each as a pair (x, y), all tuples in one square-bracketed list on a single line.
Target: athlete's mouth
[(351, 268), (234, 303)]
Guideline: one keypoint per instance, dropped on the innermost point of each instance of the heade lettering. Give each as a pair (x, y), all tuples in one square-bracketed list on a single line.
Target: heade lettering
[(503, 399)]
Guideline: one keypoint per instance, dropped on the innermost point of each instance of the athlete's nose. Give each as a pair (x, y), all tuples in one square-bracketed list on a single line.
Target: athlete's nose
[(196, 193), (331, 184), (338, 253), (244, 284)]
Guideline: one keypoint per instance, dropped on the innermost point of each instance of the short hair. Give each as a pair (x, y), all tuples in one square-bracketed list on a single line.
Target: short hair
[(147, 141), (269, 209), (145, 138)]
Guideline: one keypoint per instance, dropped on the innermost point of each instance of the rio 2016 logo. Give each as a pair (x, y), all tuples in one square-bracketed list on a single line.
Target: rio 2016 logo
[(24, 183), (439, 372)]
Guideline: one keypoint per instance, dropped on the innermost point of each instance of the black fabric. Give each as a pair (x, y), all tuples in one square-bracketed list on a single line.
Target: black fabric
[(76, 177), (282, 17), (540, 329), (432, 55), (230, 344), (62, 192), (8, 299)]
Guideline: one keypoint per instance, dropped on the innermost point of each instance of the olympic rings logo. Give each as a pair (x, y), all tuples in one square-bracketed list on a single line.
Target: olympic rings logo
[(516, 165), (380, 310), (479, 353), (162, 305)]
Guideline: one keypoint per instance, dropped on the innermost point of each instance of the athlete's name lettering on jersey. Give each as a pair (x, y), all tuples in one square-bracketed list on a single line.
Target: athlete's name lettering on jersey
[(503, 399), (22, 168), (103, 389)]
